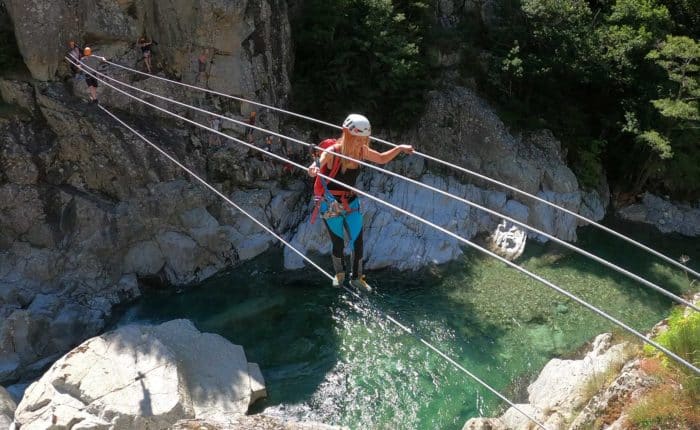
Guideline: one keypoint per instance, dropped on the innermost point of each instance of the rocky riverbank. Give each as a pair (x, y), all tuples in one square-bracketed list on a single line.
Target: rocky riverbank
[(562, 389), (586, 393), (165, 376), (665, 215)]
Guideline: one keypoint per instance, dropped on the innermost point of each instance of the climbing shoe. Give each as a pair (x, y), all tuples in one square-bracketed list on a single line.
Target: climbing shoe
[(338, 279), (360, 283)]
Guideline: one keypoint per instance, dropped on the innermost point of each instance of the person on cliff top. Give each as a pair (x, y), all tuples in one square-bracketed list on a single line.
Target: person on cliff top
[(339, 206), (145, 46), (202, 75), (92, 62), (249, 130), (75, 54)]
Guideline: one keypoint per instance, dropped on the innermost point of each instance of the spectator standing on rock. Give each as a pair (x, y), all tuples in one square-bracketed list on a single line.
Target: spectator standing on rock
[(75, 54), (92, 62), (145, 46), (249, 130), (215, 139), (202, 66)]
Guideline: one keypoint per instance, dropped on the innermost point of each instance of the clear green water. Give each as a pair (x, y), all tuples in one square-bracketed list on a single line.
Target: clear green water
[(328, 357)]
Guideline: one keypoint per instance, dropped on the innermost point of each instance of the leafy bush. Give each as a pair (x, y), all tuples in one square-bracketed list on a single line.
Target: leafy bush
[(673, 403), (664, 407), (683, 338), (584, 68), (587, 165)]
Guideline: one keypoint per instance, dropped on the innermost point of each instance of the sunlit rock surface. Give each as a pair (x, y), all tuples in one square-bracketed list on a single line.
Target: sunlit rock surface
[(561, 390), (247, 44), (142, 376)]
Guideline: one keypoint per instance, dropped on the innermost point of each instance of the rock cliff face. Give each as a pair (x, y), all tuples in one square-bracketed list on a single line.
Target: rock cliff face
[(86, 210), (147, 377), (88, 213), (247, 43), (458, 126)]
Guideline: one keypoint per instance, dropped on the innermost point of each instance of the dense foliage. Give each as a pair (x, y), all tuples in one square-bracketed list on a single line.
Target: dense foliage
[(9, 54), (361, 55), (616, 80), (672, 402)]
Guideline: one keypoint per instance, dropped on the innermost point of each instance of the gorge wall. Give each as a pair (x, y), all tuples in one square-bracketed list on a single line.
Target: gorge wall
[(89, 215)]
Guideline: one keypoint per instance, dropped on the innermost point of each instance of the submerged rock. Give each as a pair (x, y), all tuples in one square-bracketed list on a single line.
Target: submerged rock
[(142, 376), (508, 240)]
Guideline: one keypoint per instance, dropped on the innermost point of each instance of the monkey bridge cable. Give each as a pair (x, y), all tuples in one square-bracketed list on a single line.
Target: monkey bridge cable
[(483, 177), (325, 273), (568, 245), (573, 297)]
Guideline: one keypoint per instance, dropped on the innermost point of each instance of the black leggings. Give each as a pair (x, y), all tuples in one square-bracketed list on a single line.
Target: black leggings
[(339, 245)]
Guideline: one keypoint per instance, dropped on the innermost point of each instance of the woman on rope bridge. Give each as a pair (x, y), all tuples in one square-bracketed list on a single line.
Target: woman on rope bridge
[(339, 206)]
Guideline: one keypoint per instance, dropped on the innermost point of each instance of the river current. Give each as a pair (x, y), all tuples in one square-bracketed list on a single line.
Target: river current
[(329, 357)]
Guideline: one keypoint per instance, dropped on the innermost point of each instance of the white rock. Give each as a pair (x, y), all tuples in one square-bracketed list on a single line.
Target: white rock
[(141, 377), (508, 240), (562, 383), (144, 258), (257, 383), (665, 215), (514, 419), (561, 388)]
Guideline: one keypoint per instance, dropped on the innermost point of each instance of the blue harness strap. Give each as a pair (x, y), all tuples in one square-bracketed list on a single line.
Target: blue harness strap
[(350, 218), (352, 221)]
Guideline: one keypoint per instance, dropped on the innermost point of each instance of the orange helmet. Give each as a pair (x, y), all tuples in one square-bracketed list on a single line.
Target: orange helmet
[(87, 51)]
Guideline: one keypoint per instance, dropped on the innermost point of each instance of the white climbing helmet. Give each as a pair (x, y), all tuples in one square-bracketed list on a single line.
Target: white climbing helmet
[(358, 125)]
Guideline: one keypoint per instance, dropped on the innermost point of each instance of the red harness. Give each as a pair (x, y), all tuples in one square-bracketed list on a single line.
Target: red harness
[(320, 189)]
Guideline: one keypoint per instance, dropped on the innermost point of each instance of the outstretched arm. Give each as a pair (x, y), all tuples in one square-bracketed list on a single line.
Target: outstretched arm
[(386, 156)]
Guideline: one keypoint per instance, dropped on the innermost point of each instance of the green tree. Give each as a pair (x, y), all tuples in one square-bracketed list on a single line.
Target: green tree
[(630, 31), (686, 17), (677, 145), (362, 55)]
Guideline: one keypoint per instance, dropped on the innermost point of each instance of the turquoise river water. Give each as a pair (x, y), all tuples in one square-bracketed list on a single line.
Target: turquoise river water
[(328, 357)]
